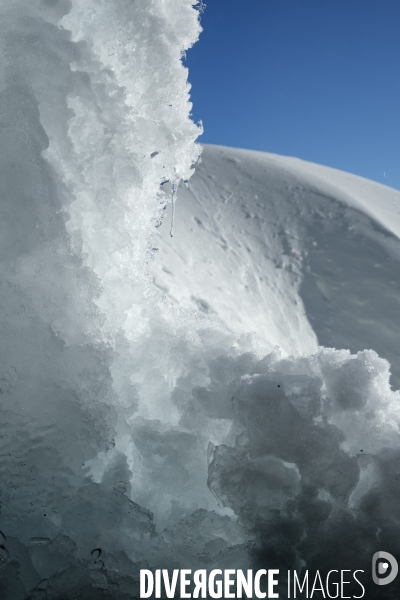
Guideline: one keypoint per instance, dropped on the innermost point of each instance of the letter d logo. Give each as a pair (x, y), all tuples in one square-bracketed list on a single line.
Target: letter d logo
[(386, 560)]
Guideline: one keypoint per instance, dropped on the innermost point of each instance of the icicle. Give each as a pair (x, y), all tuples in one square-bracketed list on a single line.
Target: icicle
[(174, 192)]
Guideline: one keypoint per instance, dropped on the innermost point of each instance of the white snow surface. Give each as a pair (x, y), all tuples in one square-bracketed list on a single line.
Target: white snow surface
[(135, 432), (301, 254)]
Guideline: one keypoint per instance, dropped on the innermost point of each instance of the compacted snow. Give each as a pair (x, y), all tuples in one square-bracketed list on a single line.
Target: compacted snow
[(147, 426), (299, 253)]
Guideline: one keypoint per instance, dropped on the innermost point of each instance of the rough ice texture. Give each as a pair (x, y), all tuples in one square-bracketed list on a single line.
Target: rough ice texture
[(133, 434)]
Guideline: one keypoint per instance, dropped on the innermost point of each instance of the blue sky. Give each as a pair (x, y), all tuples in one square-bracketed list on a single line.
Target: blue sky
[(316, 79)]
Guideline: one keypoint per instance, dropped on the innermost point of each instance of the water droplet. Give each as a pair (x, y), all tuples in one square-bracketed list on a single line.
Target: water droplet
[(96, 553)]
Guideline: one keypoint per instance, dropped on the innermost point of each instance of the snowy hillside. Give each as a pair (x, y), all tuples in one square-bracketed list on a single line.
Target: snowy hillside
[(299, 253)]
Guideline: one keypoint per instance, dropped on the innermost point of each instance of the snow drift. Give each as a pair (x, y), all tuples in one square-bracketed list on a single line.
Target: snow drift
[(135, 433), (298, 253)]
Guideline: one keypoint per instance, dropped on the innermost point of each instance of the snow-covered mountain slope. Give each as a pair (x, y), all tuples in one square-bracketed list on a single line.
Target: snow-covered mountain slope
[(301, 254)]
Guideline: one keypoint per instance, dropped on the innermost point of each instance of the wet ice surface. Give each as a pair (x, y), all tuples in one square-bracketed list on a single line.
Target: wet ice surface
[(134, 433)]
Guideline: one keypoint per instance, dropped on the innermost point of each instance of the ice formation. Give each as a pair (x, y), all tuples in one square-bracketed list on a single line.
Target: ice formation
[(134, 434)]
